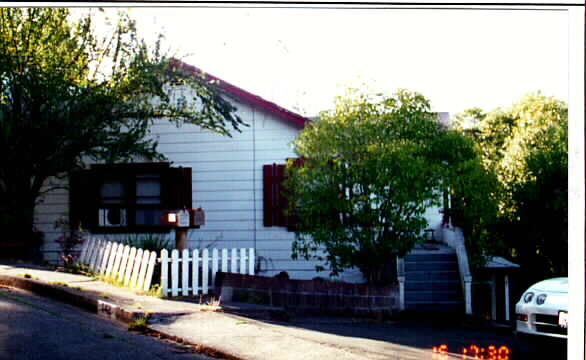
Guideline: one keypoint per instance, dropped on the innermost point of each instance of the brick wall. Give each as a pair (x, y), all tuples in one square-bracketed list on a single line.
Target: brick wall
[(313, 296)]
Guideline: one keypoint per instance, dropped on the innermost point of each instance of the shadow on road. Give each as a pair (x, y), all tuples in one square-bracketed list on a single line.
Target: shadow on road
[(460, 336)]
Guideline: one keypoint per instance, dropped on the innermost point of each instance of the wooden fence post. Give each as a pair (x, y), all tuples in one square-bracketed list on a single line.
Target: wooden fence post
[(243, 261), (174, 272), (205, 269), (195, 272), (233, 258), (165, 272), (251, 261), (185, 272)]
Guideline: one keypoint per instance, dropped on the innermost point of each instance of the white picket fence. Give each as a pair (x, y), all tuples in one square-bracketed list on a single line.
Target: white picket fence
[(191, 271), (131, 266)]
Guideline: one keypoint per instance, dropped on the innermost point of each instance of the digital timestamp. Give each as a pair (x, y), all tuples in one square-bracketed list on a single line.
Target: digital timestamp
[(490, 352)]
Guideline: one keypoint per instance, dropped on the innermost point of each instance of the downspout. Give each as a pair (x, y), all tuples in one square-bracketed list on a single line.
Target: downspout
[(254, 178)]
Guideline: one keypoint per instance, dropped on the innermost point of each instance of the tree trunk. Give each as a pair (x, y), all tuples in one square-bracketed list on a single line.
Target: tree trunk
[(17, 208)]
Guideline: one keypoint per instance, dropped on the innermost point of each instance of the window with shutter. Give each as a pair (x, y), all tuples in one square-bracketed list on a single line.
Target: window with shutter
[(128, 197)]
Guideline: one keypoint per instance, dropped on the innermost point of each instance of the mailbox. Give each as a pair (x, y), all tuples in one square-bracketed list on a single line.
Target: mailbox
[(185, 218), (197, 217)]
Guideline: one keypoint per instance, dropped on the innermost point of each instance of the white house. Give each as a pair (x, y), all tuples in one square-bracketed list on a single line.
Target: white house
[(226, 178)]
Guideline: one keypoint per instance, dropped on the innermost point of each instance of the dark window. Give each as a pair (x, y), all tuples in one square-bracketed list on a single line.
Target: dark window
[(128, 197)]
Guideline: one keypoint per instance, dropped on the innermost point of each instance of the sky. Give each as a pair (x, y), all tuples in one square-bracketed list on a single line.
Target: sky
[(303, 58)]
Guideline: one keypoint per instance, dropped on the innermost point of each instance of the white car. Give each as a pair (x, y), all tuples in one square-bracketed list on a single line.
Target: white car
[(543, 309)]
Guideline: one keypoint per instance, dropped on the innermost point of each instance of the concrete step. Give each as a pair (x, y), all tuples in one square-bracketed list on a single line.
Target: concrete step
[(427, 275), (431, 257), (443, 306), (449, 285), (433, 296), (430, 265)]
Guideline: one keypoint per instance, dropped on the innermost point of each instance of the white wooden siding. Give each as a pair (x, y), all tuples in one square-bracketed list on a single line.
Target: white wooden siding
[(227, 182)]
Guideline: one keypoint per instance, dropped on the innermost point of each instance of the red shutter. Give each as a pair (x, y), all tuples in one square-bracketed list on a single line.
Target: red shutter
[(275, 202), (268, 194), (281, 202)]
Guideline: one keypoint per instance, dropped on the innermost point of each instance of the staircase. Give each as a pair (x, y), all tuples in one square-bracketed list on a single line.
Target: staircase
[(432, 281)]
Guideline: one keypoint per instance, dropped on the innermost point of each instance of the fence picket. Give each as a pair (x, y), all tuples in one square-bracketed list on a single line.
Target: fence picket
[(129, 266), (117, 260), (174, 272), (113, 253), (144, 262), (214, 265), (243, 261), (150, 269), (204, 270), (233, 261), (195, 272), (106, 259), (136, 268), (103, 258), (84, 250), (96, 255), (123, 263), (165, 272), (185, 272), (224, 260), (85, 260), (251, 261)]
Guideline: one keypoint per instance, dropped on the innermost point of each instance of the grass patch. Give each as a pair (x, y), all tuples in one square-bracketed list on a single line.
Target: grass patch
[(59, 283), (78, 269), (112, 280), (139, 325), (156, 291)]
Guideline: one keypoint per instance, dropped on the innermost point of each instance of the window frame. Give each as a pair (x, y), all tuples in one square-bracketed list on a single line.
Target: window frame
[(86, 199)]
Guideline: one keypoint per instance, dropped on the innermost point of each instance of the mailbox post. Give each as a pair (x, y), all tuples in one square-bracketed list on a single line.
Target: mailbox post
[(181, 229), (182, 221)]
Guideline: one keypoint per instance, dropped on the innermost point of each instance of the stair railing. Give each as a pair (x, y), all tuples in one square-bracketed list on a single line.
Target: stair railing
[(454, 238), (401, 278)]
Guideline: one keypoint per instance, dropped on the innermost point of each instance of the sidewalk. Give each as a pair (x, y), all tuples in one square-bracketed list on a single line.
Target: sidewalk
[(225, 333)]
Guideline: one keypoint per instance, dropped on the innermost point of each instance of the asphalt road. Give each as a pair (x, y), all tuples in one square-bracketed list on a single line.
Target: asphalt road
[(451, 340), (32, 327)]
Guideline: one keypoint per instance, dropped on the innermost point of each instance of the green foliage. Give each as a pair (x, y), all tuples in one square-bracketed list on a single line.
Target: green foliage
[(140, 324), (371, 168), (69, 94), (156, 291), (527, 147), (150, 242)]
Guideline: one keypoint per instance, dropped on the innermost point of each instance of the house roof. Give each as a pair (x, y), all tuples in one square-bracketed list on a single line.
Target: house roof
[(289, 116)]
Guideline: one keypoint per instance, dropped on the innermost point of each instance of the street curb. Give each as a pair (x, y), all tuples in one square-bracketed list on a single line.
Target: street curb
[(81, 299), (63, 294)]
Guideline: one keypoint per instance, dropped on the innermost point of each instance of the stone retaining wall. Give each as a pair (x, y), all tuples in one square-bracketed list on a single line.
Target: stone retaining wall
[(308, 296)]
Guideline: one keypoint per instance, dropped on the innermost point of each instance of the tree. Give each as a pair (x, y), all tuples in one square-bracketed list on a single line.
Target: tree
[(68, 94), (527, 147), (370, 169)]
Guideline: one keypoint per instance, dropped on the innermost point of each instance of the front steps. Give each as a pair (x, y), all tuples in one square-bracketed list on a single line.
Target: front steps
[(432, 280)]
